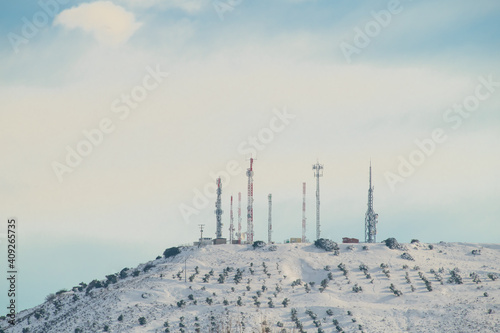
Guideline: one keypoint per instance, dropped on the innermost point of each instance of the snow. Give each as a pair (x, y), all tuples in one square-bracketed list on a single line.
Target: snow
[(154, 294)]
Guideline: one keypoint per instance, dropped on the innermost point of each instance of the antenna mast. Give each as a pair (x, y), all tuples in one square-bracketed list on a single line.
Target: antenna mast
[(318, 172), (250, 203), (270, 220), (304, 213), (218, 209), (201, 234), (371, 219), (231, 224), (239, 217)]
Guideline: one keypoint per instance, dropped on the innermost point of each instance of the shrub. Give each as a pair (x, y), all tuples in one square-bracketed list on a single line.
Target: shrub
[(476, 252), (142, 321), (148, 267), (392, 243), (136, 273), (431, 247), (181, 303), (492, 276), (123, 273), (326, 244), (171, 252), (365, 248), (62, 291), (50, 297), (413, 241), (272, 248), (111, 278), (258, 244), (120, 318), (357, 289), (455, 277), (285, 302), (395, 291), (407, 256)]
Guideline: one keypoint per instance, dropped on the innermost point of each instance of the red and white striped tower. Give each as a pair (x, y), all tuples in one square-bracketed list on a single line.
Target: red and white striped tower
[(231, 224), (250, 204), (239, 217), (304, 213)]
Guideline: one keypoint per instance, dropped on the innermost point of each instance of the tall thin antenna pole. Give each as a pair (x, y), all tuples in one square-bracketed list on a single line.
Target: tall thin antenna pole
[(201, 233), (304, 213), (231, 224), (318, 172), (239, 217), (218, 209), (250, 204), (270, 219), (371, 219)]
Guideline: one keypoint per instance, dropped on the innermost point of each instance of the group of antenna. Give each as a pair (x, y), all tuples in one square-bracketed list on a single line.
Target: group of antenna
[(371, 219)]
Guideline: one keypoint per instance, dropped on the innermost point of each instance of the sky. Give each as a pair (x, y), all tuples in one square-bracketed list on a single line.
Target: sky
[(117, 117)]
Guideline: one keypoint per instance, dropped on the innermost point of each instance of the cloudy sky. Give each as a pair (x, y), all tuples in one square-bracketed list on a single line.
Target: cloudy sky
[(116, 116)]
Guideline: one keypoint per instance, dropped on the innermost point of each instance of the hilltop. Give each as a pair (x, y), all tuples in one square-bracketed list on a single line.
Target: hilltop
[(287, 288)]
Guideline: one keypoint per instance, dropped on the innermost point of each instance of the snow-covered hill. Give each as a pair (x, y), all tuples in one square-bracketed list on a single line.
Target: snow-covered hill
[(245, 290)]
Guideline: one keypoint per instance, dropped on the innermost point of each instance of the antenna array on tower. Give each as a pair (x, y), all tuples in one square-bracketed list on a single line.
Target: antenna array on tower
[(239, 217), (231, 223), (218, 209), (370, 217), (250, 203), (318, 172)]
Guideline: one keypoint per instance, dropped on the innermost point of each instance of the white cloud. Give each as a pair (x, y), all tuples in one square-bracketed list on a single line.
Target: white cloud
[(110, 24), (189, 6)]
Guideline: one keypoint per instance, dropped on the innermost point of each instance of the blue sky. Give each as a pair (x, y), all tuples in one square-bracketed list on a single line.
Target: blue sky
[(227, 81)]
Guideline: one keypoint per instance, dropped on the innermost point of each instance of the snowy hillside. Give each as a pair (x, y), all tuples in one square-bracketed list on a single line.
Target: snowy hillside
[(245, 289)]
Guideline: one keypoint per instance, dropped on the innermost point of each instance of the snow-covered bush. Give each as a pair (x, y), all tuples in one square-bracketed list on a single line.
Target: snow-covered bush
[(407, 256), (395, 291), (148, 267), (492, 276), (476, 252), (258, 244), (475, 277), (272, 248), (142, 321), (357, 288), (455, 277), (326, 244), (342, 267), (392, 243), (123, 273), (171, 252), (285, 302)]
